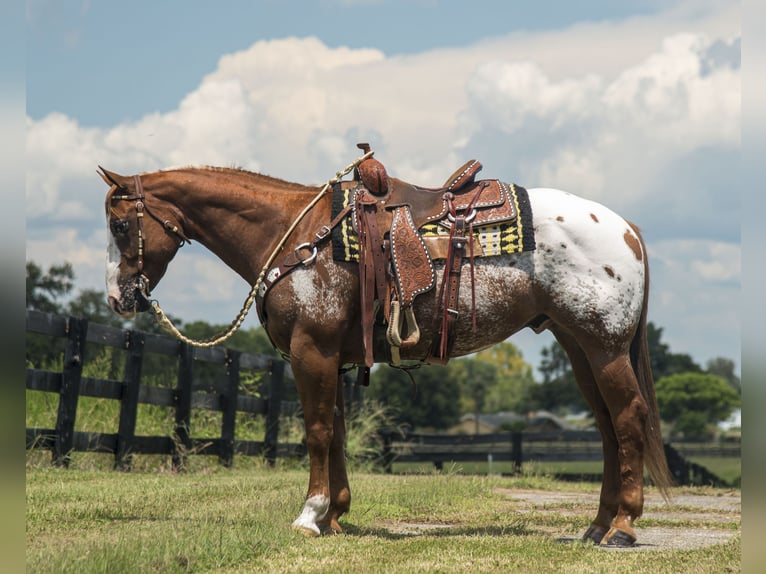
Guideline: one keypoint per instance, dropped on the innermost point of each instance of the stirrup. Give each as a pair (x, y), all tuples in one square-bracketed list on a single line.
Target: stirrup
[(394, 331)]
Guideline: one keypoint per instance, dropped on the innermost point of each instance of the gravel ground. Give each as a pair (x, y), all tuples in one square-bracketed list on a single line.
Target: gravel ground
[(714, 513), (703, 519)]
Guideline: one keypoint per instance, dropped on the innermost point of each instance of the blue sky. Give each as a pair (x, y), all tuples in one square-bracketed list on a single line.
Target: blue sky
[(106, 61), (635, 104)]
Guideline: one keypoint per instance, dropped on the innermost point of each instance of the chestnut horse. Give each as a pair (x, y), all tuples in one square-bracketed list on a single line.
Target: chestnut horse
[(586, 282)]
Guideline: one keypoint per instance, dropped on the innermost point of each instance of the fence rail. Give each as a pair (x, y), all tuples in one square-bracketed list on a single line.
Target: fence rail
[(519, 447), (70, 385)]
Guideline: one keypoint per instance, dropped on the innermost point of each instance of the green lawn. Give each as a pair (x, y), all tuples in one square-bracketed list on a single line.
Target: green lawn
[(216, 520)]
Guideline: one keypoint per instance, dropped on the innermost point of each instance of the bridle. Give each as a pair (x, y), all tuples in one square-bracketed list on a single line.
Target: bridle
[(142, 281)]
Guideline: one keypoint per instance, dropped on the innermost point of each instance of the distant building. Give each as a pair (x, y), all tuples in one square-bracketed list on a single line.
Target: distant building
[(539, 421)]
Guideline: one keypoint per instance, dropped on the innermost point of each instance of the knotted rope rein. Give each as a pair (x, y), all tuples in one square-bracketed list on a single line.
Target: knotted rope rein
[(167, 324)]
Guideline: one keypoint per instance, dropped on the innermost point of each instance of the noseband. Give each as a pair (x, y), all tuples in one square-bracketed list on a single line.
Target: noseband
[(142, 281)]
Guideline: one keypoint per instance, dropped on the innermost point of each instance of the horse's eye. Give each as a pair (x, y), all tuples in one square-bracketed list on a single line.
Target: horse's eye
[(119, 227)]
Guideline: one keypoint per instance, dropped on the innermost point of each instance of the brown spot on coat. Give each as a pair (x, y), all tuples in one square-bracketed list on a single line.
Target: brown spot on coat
[(633, 243), (609, 271), (593, 217), (560, 218)]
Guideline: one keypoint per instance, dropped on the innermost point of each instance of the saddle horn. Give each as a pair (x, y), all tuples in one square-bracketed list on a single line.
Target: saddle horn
[(372, 173)]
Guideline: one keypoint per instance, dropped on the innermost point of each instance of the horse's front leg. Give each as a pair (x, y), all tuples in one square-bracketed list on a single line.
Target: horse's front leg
[(316, 377)]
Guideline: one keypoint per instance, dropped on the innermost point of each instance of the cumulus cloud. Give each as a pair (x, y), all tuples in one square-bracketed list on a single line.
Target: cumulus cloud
[(605, 137)]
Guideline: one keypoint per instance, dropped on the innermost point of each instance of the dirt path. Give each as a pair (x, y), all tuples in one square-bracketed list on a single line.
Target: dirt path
[(692, 520), (702, 519)]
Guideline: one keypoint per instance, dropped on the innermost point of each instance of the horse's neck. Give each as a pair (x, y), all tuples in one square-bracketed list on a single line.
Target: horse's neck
[(239, 217)]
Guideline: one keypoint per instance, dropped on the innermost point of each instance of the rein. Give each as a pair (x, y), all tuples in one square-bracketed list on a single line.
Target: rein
[(159, 314)]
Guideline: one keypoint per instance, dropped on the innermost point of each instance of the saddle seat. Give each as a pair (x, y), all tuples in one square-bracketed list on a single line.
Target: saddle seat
[(428, 205)]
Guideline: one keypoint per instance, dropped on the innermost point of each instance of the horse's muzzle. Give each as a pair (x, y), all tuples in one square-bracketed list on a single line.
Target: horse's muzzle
[(128, 306)]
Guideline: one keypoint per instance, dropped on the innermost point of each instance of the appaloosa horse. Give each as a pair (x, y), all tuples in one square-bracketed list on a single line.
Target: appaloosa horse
[(586, 281)]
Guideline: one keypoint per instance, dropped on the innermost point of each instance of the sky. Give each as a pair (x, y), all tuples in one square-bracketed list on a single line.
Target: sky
[(635, 104)]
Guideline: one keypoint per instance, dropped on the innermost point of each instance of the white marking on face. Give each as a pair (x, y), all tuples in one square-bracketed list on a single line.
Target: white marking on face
[(314, 509), (112, 268)]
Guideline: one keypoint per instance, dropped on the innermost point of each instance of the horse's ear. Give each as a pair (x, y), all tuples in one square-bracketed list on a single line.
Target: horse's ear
[(112, 178)]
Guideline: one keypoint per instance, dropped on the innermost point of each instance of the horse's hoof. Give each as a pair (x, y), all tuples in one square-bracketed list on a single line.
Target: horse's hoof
[(594, 534), (619, 539), (306, 531), (329, 530)]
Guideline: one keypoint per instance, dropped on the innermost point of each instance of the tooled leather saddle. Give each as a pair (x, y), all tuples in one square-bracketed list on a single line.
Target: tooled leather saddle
[(396, 262)]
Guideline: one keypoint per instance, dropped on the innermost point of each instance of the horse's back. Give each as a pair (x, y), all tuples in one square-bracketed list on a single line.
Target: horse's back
[(589, 260)]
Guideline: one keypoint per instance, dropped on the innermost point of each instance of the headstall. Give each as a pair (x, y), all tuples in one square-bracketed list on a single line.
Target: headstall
[(142, 281)]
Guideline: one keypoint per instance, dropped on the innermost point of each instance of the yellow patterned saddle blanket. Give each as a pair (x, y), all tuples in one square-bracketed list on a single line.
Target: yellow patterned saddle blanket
[(497, 238)]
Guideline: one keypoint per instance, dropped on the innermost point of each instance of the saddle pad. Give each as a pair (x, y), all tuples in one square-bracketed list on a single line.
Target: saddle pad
[(496, 239)]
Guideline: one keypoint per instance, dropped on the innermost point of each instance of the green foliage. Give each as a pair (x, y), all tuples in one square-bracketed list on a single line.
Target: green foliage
[(724, 368), (692, 401), (43, 290), (364, 445), (558, 393), (512, 379), (663, 362), (432, 401)]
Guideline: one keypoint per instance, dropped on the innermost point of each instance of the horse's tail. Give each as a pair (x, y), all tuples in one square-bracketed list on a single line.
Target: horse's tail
[(654, 453)]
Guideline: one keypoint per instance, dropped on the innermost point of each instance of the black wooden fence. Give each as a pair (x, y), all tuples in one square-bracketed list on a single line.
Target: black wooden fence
[(70, 384), (519, 447)]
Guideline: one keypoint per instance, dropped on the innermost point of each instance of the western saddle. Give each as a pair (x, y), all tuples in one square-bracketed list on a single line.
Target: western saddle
[(396, 262)]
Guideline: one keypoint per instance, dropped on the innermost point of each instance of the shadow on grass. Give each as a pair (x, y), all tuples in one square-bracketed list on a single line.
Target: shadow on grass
[(406, 530)]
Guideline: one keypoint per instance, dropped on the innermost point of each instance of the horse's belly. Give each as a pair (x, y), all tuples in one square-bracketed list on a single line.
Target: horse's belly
[(502, 298)]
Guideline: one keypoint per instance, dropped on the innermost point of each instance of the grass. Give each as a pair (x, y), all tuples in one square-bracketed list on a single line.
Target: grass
[(217, 520)]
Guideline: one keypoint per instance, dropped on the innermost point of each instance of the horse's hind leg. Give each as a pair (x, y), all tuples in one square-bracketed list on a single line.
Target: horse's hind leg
[(610, 485), (619, 388), (340, 493)]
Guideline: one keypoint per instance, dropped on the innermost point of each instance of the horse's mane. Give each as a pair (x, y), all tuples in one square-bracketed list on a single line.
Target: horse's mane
[(239, 171)]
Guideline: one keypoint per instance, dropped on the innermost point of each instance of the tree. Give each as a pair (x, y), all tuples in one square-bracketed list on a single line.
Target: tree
[(663, 362), (725, 368), (44, 290), (694, 401), (432, 401), (513, 379), (91, 304), (559, 391)]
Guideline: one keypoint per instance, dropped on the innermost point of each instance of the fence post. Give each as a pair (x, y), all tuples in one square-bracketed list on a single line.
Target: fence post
[(388, 455), (229, 409), (183, 393), (516, 454), (273, 408), (71, 375), (123, 457)]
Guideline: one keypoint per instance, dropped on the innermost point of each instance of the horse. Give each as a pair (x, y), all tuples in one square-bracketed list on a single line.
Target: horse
[(587, 282)]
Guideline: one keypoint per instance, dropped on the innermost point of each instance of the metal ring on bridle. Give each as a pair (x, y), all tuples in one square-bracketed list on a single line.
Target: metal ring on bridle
[(468, 219), (310, 259)]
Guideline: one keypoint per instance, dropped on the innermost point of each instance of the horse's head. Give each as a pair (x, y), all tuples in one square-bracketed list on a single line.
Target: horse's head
[(142, 239)]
